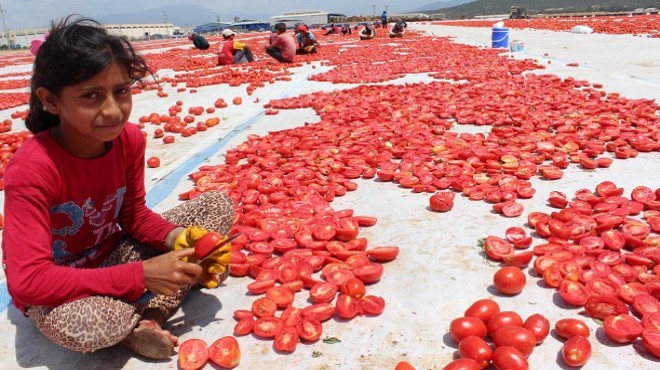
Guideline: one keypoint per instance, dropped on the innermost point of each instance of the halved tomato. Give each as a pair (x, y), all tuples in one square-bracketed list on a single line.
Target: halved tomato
[(286, 339), (383, 254), (225, 352), (602, 307), (497, 248), (268, 327), (323, 292), (347, 307), (372, 304), (574, 293), (282, 297), (320, 311), (622, 328), (264, 307), (309, 329), (193, 354)]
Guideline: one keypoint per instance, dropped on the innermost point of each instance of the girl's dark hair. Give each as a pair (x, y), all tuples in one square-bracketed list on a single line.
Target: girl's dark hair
[(75, 50)]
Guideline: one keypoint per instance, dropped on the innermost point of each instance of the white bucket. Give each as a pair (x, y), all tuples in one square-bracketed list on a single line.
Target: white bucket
[(517, 45)]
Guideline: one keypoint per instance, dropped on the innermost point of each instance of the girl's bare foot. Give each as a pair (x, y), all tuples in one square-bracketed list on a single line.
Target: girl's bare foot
[(148, 339)]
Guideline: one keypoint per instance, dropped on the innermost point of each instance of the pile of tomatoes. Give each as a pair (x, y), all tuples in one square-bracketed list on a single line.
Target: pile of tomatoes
[(513, 340), (639, 24), (598, 255)]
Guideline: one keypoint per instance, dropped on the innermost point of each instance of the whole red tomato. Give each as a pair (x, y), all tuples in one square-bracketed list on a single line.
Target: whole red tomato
[(517, 337), (509, 280), (576, 351), (509, 358), (539, 325), (483, 309), (462, 364), (502, 319), (465, 326), (153, 162), (567, 328), (477, 349), (205, 245), (404, 365)]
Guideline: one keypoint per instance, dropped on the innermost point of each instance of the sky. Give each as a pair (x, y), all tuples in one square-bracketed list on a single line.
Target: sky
[(20, 14)]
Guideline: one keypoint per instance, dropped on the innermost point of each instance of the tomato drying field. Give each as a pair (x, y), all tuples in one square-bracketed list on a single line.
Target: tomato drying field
[(342, 152)]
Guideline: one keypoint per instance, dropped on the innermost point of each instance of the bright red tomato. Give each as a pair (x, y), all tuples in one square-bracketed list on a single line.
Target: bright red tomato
[(283, 297), (347, 307), (462, 364), (244, 326), (206, 244), (651, 340), (286, 339), (567, 328), (322, 292), (462, 327), (476, 348), (264, 307), (497, 248), (602, 307), (309, 329), (372, 305), (574, 293), (268, 327), (622, 328), (539, 325), (383, 254), (404, 365), (517, 337), (576, 351), (509, 358), (509, 280), (354, 287), (193, 354), (483, 309), (225, 352), (153, 162), (503, 318)]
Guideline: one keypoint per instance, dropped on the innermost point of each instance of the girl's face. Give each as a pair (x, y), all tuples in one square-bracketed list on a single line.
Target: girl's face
[(91, 112)]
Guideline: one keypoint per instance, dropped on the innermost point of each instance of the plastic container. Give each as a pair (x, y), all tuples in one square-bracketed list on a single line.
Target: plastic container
[(500, 38), (517, 45)]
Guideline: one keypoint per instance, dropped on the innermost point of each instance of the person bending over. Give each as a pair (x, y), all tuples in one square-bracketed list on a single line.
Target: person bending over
[(398, 29), (84, 257), (367, 33), (198, 41)]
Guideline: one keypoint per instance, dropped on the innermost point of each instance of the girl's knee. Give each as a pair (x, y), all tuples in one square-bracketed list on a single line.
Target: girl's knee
[(88, 324)]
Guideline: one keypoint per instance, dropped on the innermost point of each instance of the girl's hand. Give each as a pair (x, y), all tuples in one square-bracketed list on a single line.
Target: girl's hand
[(166, 273)]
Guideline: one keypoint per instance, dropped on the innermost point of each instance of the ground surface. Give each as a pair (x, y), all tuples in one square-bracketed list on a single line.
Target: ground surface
[(439, 272)]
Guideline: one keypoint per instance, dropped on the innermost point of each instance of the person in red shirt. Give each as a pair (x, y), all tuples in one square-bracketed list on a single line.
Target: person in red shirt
[(233, 52), (283, 47), (80, 248)]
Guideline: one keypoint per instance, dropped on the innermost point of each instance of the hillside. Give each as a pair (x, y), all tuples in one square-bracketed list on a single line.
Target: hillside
[(487, 7), (440, 5)]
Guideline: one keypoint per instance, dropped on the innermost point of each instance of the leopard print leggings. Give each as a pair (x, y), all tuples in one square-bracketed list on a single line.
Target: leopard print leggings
[(95, 322)]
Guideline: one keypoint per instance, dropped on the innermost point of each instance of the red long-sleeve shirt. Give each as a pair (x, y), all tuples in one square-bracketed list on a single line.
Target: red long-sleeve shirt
[(65, 215)]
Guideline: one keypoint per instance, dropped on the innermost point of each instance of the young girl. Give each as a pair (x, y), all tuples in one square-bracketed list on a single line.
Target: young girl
[(79, 245)]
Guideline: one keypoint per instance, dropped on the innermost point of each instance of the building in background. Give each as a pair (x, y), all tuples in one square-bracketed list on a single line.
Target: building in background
[(213, 27), (308, 17), (248, 25)]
